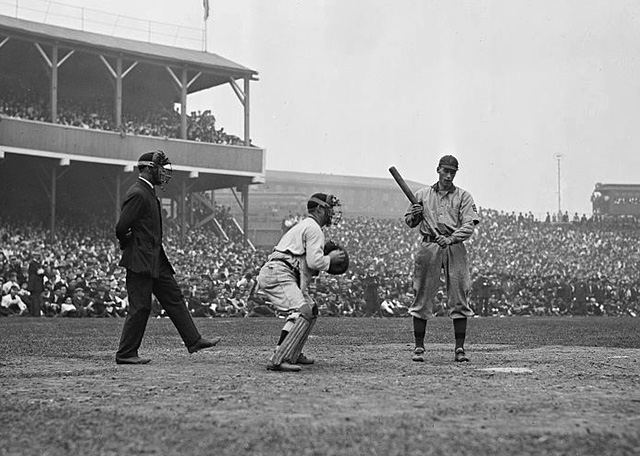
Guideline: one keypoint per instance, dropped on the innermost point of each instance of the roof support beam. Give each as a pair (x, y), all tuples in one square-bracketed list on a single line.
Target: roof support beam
[(118, 75), (53, 64), (183, 85)]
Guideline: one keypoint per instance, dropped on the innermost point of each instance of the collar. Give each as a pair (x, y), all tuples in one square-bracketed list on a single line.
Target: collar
[(314, 217), (437, 189), (144, 180)]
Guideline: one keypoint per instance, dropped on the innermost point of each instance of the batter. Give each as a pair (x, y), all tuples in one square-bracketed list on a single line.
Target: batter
[(446, 216)]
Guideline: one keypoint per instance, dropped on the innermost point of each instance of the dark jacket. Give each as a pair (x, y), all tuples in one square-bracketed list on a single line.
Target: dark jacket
[(139, 231), (35, 283)]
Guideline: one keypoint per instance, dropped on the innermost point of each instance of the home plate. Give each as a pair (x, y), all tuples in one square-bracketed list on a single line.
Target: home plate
[(508, 370)]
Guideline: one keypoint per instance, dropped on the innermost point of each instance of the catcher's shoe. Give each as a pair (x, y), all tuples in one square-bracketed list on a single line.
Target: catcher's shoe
[(460, 356), (304, 360), (418, 355), (283, 367)]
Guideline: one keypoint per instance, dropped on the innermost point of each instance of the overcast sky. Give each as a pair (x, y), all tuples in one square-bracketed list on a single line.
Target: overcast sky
[(352, 87)]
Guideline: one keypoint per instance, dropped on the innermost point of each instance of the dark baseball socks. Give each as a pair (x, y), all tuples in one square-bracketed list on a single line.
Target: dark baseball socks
[(419, 330), (459, 331)]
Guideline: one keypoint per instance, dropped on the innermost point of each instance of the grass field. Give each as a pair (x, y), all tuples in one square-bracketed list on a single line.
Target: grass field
[(533, 386)]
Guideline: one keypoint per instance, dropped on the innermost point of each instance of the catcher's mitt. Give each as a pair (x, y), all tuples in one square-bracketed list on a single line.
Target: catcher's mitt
[(337, 268)]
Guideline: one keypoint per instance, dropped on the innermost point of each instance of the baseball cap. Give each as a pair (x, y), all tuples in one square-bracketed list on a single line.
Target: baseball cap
[(448, 161), (318, 199)]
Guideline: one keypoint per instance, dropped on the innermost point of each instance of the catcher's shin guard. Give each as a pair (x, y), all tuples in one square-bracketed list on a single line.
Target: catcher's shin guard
[(293, 343), (293, 359)]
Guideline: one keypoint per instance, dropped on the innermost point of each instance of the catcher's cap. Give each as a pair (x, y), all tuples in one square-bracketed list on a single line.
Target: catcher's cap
[(321, 199), (449, 162)]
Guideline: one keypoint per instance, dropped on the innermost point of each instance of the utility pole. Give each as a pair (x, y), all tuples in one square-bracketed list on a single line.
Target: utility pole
[(558, 158)]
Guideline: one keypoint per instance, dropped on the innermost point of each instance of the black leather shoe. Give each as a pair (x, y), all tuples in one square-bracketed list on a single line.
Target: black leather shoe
[(133, 360), (203, 343)]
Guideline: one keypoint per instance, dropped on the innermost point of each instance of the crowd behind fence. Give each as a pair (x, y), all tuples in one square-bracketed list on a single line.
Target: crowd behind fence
[(160, 121), (520, 266)]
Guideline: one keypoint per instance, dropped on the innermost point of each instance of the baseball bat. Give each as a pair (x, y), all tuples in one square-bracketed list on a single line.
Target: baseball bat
[(412, 198), (403, 185)]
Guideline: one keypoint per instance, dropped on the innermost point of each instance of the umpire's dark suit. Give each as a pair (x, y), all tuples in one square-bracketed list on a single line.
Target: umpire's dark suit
[(139, 231)]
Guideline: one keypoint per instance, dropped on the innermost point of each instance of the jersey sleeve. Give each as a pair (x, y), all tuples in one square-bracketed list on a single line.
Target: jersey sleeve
[(314, 247)]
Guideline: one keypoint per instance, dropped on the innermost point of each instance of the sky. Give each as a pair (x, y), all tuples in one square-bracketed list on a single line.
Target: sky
[(538, 100)]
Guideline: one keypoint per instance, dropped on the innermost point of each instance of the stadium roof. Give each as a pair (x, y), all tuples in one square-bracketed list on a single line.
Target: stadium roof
[(332, 179), (28, 30)]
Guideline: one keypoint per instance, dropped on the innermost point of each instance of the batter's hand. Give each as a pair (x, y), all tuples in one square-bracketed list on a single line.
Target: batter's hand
[(443, 241), (416, 211)]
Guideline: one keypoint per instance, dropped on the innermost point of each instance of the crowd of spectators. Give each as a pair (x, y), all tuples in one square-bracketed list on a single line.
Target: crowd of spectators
[(520, 266), (159, 121)]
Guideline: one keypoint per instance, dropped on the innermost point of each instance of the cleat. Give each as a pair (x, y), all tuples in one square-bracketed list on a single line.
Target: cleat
[(283, 367), (460, 356), (304, 360), (418, 355)]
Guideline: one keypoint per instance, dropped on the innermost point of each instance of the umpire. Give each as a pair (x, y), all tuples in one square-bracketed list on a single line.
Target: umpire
[(139, 232), (446, 216)]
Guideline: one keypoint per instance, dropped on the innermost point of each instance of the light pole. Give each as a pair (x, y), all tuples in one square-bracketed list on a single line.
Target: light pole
[(558, 158)]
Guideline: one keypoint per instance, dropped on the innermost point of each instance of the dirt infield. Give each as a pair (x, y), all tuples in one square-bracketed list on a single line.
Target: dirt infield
[(533, 386)]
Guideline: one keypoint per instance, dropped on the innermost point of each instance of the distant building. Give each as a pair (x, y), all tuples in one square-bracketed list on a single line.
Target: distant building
[(285, 193), (616, 199)]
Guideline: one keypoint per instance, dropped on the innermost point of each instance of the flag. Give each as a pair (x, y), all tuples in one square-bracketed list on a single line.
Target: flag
[(205, 4)]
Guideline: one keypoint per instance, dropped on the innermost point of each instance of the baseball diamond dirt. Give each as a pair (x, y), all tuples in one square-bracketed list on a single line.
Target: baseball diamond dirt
[(533, 386)]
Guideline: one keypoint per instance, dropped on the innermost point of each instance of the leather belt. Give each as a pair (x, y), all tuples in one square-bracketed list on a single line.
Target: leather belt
[(282, 260), (296, 271), (428, 239)]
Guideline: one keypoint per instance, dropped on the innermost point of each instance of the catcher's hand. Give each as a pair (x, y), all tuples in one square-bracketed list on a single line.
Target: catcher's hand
[(338, 256)]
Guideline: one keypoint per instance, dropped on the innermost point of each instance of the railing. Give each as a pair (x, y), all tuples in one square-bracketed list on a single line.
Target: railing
[(104, 23)]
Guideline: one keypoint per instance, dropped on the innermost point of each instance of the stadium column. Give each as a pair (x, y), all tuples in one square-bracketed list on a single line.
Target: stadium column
[(247, 115), (54, 84), (119, 93), (245, 212), (183, 212), (183, 105)]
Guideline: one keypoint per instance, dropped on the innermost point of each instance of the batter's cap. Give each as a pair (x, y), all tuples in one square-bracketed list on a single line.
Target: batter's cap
[(449, 162)]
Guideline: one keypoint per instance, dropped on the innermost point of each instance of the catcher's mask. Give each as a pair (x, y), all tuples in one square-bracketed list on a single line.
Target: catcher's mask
[(160, 166), (331, 203)]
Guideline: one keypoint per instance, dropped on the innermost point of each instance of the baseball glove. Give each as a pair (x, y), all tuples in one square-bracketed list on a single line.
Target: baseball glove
[(337, 268)]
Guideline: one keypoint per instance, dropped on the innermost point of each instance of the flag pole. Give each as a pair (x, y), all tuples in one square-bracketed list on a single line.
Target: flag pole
[(205, 5), (205, 35)]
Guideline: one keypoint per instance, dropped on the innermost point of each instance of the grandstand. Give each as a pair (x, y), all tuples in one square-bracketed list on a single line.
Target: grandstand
[(57, 161)]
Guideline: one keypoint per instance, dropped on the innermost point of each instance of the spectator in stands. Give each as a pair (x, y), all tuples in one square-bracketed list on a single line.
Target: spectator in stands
[(36, 283), (11, 304)]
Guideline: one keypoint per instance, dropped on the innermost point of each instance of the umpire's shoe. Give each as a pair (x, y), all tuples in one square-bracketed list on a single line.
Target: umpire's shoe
[(283, 367), (460, 356), (418, 355), (132, 360), (203, 343)]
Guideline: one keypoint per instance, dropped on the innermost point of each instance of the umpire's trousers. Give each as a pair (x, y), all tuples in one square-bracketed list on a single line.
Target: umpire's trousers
[(165, 288)]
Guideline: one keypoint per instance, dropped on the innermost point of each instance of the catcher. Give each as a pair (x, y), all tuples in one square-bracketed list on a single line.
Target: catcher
[(284, 278)]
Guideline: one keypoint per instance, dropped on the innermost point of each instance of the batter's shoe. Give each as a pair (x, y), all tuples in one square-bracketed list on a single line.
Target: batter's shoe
[(304, 360), (460, 356), (283, 367), (418, 355)]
